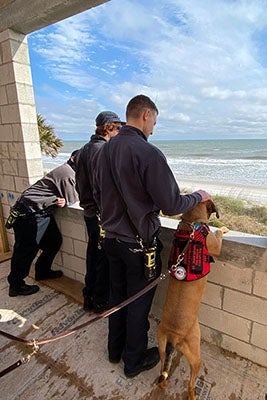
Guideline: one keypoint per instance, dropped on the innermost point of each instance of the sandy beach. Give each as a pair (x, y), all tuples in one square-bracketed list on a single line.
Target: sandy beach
[(257, 195)]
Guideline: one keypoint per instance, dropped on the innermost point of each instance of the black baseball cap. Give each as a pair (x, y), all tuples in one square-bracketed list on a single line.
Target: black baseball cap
[(107, 116)]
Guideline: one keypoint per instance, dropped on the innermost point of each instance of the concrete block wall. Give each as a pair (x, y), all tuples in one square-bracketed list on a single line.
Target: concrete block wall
[(20, 154), (233, 313), (71, 258)]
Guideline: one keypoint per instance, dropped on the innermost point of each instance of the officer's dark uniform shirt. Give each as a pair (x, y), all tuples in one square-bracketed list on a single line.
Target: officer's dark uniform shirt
[(84, 167), (146, 182)]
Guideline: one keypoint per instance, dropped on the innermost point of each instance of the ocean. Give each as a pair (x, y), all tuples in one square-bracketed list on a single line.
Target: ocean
[(237, 168)]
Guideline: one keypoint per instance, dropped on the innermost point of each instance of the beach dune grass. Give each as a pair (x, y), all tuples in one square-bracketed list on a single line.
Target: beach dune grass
[(239, 215)]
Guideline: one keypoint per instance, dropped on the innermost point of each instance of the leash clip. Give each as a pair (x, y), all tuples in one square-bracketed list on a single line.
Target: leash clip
[(136, 250), (36, 348), (140, 242), (180, 258)]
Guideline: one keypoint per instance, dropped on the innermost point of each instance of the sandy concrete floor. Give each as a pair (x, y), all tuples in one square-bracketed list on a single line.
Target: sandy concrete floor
[(77, 367)]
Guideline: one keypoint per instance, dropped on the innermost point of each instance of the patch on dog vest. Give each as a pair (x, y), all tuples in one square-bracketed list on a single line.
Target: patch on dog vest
[(189, 259)]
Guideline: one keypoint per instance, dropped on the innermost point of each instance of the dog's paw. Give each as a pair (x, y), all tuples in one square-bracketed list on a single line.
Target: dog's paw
[(224, 229)]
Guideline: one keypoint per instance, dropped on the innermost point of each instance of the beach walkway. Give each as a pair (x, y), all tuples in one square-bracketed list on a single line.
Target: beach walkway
[(77, 367)]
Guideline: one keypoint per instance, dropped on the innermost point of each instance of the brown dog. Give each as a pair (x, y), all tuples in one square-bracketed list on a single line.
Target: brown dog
[(179, 327)]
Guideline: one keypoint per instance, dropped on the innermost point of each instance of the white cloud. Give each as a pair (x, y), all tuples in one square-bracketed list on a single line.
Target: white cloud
[(201, 62), (223, 94)]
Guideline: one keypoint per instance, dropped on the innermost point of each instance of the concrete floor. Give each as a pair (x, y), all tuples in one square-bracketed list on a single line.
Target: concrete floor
[(76, 367)]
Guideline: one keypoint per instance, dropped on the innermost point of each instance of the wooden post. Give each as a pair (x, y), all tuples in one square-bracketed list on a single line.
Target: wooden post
[(5, 254)]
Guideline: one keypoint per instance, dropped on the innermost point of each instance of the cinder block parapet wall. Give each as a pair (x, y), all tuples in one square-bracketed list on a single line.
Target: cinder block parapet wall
[(233, 313), (71, 258)]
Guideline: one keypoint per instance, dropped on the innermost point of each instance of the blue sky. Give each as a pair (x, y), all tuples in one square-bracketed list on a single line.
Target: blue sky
[(204, 63)]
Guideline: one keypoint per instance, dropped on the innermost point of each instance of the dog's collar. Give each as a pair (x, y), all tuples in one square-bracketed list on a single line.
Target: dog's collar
[(193, 225)]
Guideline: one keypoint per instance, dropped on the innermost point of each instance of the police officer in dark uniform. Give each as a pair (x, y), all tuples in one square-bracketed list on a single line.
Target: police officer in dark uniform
[(132, 183), (96, 290)]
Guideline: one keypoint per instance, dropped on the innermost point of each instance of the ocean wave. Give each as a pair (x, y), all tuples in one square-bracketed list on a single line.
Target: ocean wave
[(231, 162)]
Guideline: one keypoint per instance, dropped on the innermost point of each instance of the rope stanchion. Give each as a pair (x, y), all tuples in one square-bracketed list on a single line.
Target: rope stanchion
[(36, 343)]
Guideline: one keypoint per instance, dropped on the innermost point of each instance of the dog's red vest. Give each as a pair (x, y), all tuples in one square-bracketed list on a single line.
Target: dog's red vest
[(195, 260)]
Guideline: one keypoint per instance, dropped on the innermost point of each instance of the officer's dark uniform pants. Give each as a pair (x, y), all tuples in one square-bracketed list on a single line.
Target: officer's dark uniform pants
[(97, 267), (31, 234), (128, 327)]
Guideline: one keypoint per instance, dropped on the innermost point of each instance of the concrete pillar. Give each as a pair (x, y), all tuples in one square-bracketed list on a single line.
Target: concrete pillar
[(20, 154)]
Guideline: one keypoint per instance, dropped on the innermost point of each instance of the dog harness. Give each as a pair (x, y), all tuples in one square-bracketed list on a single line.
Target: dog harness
[(189, 259)]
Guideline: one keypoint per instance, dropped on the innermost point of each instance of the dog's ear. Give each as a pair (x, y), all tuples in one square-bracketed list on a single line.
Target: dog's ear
[(211, 208)]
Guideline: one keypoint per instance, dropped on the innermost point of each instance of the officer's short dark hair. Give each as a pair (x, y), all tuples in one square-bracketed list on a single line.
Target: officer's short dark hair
[(138, 104)]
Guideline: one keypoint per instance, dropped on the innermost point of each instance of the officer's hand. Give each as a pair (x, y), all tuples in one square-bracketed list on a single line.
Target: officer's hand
[(60, 202), (205, 196)]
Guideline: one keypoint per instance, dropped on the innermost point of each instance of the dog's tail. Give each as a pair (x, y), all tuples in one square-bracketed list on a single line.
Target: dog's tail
[(167, 365)]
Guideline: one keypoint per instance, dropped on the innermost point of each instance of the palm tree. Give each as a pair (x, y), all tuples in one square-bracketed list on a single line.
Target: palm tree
[(49, 142)]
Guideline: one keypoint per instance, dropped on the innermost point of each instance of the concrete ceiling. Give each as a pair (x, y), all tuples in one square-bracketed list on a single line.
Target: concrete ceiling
[(28, 16)]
